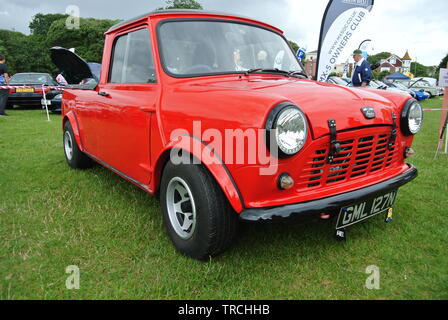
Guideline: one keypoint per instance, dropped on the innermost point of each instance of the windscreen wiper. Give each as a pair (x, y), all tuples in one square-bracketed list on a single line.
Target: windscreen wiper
[(298, 73), (276, 70)]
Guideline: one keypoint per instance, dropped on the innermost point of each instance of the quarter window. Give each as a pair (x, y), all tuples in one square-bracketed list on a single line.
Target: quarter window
[(132, 60)]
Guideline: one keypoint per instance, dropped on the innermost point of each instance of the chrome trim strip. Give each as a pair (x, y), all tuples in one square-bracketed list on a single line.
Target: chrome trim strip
[(108, 166)]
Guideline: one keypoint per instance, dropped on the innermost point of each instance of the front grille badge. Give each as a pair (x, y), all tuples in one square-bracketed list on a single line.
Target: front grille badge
[(335, 144), (393, 134)]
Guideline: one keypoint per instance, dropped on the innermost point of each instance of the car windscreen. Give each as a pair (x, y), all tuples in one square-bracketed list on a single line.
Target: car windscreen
[(400, 86), (339, 81), (421, 83), (374, 85), (214, 47), (32, 78), (381, 84), (95, 68)]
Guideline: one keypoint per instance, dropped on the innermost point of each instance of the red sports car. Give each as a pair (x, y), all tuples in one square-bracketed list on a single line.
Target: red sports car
[(213, 112), (34, 85)]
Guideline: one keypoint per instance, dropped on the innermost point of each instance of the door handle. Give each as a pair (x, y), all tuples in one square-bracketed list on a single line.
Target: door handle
[(103, 93), (148, 109)]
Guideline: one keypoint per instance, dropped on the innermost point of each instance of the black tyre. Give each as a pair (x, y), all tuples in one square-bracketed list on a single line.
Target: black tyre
[(197, 215), (430, 94), (74, 156)]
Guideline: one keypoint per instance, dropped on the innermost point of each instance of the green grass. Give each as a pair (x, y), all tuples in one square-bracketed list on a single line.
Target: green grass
[(52, 217)]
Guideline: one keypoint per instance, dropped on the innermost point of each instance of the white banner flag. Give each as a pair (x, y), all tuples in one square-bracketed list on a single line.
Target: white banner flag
[(341, 20)]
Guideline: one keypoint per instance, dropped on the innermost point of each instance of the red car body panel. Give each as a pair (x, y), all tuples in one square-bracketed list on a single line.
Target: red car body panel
[(130, 129)]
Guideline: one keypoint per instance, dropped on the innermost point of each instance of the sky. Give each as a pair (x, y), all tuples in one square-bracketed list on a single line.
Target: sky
[(419, 26)]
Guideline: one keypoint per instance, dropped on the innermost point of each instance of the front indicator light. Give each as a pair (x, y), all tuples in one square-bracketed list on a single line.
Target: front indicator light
[(285, 181), (409, 152)]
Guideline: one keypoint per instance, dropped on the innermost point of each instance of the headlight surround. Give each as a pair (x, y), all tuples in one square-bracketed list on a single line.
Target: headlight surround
[(58, 96), (411, 118), (290, 127)]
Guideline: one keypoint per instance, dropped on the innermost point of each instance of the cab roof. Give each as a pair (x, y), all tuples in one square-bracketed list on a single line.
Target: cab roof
[(186, 12)]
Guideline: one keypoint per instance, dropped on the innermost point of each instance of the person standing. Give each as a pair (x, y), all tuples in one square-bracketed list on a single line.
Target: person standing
[(362, 74), (61, 80), (4, 79)]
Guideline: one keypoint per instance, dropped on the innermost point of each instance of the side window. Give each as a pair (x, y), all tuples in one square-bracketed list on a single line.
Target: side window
[(132, 60), (116, 71)]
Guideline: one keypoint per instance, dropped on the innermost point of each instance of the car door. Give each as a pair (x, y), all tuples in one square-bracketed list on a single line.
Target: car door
[(126, 104)]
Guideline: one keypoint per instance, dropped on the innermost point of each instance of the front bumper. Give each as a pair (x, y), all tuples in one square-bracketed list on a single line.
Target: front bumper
[(333, 203), (53, 105), (25, 99)]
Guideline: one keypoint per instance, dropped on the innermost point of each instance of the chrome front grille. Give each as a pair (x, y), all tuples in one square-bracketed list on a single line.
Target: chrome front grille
[(362, 153)]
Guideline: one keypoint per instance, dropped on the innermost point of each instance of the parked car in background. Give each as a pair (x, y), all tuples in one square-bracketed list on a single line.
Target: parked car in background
[(417, 94), (376, 84), (54, 97), (431, 81), (95, 68), (75, 69), (54, 101), (32, 95), (338, 80), (422, 85), (384, 86)]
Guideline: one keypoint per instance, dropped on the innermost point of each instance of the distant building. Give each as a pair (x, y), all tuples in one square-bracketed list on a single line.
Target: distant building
[(396, 64), (339, 69), (407, 62), (311, 64)]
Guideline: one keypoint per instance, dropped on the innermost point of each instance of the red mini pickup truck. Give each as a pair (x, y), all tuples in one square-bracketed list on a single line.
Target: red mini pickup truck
[(214, 113)]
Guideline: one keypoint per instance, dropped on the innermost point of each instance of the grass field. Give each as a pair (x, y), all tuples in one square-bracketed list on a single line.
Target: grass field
[(52, 217)]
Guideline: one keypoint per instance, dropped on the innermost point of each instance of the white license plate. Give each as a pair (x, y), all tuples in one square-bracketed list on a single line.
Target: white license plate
[(42, 102), (358, 212)]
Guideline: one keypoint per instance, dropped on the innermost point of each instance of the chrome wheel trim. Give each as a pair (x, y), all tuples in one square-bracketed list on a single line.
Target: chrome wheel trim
[(181, 208), (68, 145)]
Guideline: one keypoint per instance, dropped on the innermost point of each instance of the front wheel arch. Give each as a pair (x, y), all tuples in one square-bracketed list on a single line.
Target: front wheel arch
[(216, 168), (196, 213)]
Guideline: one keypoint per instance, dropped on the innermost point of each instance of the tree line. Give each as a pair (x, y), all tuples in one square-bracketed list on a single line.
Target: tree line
[(30, 53)]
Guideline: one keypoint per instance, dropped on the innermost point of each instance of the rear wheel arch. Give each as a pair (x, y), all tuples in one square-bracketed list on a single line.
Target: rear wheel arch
[(71, 118), (75, 158)]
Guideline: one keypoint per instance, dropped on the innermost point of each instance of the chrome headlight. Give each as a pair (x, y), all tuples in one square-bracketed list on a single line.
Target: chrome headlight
[(58, 97), (290, 128), (411, 117)]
